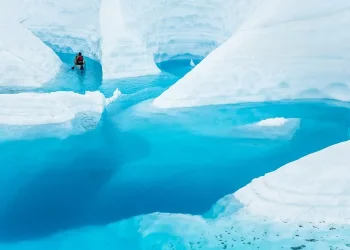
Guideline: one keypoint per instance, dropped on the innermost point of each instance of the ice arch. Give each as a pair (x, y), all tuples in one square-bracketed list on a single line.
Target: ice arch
[(129, 37)]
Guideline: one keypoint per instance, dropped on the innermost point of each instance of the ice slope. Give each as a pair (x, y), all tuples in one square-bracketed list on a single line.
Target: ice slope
[(67, 26), (25, 60), (123, 52), (27, 114), (312, 189), (284, 50)]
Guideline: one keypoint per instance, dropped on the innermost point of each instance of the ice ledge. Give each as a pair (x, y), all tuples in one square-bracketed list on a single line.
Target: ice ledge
[(315, 188), (57, 114)]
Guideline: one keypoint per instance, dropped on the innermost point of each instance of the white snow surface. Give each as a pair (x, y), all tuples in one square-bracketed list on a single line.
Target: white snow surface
[(50, 108), (288, 49), (312, 189), (25, 60)]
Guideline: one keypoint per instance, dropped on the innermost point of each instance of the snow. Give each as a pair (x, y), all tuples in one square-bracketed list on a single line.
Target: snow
[(285, 50), (312, 189), (25, 60)]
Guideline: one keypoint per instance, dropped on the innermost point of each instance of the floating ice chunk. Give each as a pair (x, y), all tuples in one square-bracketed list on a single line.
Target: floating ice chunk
[(292, 51), (192, 63), (270, 128), (25, 60), (313, 189), (273, 122)]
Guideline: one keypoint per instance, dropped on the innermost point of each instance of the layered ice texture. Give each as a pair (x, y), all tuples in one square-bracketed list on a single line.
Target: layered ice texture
[(25, 60), (312, 189), (284, 50), (130, 38), (66, 26)]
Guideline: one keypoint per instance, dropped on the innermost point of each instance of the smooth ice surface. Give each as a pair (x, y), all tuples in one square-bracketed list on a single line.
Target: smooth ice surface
[(285, 50), (312, 189), (66, 26), (25, 60)]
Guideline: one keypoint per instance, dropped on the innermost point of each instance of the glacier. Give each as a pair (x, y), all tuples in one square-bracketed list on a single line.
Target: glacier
[(285, 50), (191, 128), (231, 224), (25, 60), (112, 33)]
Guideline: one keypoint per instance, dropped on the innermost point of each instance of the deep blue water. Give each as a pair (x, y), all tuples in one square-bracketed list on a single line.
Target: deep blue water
[(141, 160)]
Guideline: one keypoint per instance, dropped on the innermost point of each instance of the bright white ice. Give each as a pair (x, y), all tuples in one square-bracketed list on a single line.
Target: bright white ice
[(25, 60), (312, 189), (50, 108), (285, 50), (130, 37)]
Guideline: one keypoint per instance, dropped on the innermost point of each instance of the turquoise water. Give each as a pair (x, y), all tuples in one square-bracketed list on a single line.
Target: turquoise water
[(141, 160)]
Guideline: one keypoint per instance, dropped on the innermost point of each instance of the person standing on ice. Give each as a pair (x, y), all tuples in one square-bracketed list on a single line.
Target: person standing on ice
[(79, 61)]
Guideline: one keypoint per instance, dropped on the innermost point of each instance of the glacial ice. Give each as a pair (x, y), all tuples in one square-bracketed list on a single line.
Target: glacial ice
[(21, 113), (179, 29), (25, 60), (66, 26), (123, 53), (285, 50), (312, 189), (129, 38)]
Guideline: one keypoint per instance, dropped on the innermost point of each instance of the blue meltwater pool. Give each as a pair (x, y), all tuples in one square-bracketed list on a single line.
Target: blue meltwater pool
[(141, 160)]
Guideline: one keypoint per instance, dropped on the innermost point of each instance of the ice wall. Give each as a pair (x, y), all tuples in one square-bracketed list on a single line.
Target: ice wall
[(129, 37), (179, 29), (67, 26), (25, 60), (312, 189), (284, 50), (124, 53)]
